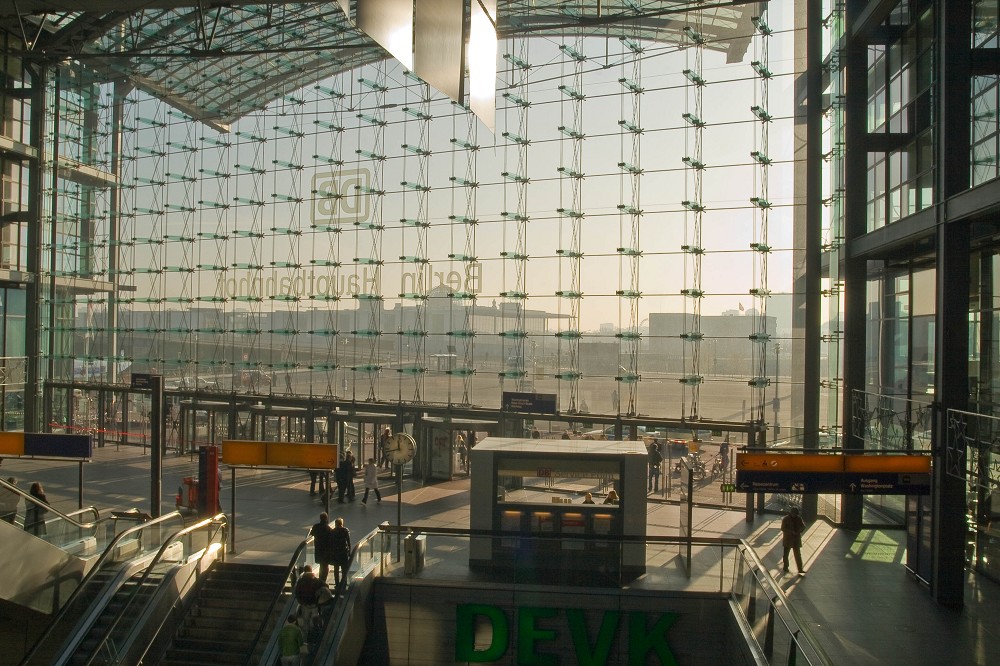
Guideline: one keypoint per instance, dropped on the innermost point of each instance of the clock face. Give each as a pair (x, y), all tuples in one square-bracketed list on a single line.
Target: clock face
[(401, 448)]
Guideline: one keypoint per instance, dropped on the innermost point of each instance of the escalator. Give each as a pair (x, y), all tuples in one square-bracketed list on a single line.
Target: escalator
[(114, 624), (120, 606), (43, 566)]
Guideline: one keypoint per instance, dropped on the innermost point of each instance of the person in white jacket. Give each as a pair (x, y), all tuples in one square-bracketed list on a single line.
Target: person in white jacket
[(371, 481)]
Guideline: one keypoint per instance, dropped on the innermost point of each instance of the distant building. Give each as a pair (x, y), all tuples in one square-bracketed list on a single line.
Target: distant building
[(725, 349)]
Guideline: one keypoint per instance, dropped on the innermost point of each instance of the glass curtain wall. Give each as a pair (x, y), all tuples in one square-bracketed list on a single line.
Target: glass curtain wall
[(983, 474), (291, 254), (900, 95), (624, 240), (900, 365)]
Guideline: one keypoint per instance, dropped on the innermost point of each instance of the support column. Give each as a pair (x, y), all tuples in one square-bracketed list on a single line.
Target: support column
[(35, 414), (812, 274), (855, 273), (951, 372)]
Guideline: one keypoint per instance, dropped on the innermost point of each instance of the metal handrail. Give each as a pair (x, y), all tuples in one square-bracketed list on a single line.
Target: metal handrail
[(86, 580), (793, 623), (166, 616), (48, 507), (219, 518), (334, 631), (289, 573)]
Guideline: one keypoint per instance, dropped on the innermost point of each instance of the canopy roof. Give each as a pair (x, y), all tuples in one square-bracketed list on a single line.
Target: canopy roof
[(220, 61)]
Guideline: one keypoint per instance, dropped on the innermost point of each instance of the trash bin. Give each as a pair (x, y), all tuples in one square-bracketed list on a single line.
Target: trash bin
[(414, 551)]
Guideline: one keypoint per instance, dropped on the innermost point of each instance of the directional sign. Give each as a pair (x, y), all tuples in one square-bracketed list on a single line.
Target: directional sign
[(833, 473), (727, 487), (142, 380), (790, 482), (790, 462), (529, 403), (887, 483)]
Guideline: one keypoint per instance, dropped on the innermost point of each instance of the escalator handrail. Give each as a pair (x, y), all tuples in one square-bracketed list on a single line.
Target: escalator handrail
[(333, 631), (87, 509), (98, 565), (28, 497), (217, 519), (166, 616), (289, 572)]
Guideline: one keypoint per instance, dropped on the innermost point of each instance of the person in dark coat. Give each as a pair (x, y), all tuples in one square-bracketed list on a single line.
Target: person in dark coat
[(34, 515), (352, 471), (322, 535), (341, 552), (341, 475), (383, 449), (792, 528)]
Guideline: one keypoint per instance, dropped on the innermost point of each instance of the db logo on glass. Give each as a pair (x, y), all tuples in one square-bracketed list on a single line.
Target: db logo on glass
[(339, 196)]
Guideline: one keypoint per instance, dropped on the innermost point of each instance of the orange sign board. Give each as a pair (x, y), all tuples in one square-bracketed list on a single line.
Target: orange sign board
[(308, 456), (818, 462), (12, 443), (790, 462), (280, 454), (239, 452), (900, 464)]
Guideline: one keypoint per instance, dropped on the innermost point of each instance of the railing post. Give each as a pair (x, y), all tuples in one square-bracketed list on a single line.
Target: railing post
[(769, 632)]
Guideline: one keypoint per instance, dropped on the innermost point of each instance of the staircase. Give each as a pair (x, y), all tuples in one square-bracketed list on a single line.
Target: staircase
[(224, 619)]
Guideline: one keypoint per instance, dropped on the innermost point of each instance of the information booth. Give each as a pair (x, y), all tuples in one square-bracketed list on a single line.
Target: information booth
[(531, 495)]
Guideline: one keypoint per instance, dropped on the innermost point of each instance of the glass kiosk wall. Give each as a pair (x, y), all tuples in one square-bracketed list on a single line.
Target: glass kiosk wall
[(552, 507)]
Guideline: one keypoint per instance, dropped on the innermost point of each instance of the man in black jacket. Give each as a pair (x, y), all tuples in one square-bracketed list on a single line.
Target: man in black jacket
[(323, 544)]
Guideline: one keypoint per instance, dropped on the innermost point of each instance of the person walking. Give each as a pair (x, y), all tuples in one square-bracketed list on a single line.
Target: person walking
[(34, 514), (340, 476), (349, 474), (341, 552), (792, 528), (383, 448), (9, 502), (322, 535), (655, 460), (291, 640), (371, 481)]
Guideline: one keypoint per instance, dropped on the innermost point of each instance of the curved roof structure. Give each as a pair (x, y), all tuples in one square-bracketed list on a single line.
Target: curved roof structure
[(218, 62)]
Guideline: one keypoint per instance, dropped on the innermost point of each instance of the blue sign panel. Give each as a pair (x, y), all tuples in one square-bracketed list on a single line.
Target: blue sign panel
[(61, 446), (529, 403), (142, 380), (838, 483), (886, 483), (764, 481)]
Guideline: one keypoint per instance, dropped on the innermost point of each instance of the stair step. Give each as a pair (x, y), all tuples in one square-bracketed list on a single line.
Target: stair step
[(201, 656), (209, 633)]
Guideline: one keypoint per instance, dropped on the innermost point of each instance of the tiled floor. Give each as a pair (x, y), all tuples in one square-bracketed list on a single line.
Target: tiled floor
[(857, 598)]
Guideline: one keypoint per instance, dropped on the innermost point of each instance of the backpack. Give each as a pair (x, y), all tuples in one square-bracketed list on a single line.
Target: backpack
[(655, 457)]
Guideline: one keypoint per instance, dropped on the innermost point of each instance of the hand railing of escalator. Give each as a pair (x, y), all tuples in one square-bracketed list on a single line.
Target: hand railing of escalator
[(213, 526), (295, 565), (112, 555), (366, 555)]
